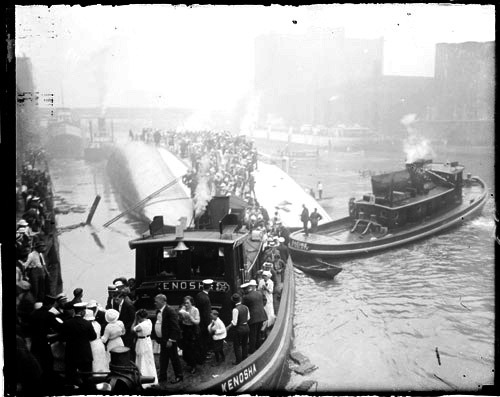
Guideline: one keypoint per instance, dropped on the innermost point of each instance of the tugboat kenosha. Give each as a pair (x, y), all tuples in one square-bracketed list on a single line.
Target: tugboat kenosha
[(406, 205), (175, 262)]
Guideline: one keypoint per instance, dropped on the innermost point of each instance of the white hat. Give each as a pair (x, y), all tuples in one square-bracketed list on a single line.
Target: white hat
[(89, 315), (252, 282), (22, 222), (118, 283), (80, 306), (244, 285), (208, 281), (92, 303), (111, 315), (267, 273)]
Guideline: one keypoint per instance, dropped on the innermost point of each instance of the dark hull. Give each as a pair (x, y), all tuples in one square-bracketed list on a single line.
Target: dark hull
[(65, 146), (98, 153), (303, 248), (266, 369)]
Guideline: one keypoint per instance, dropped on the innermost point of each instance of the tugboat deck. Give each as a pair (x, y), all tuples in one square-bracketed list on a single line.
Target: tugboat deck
[(338, 231)]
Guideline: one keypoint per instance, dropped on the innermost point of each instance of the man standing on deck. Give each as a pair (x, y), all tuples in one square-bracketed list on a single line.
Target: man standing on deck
[(304, 217), (315, 217), (240, 318), (204, 306), (255, 302), (77, 333), (125, 307), (168, 332)]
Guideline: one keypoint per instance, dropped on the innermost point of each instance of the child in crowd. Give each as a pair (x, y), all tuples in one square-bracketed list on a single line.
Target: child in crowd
[(113, 332), (217, 330)]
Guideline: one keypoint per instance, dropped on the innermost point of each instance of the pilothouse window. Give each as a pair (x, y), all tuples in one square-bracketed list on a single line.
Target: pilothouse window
[(197, 261)]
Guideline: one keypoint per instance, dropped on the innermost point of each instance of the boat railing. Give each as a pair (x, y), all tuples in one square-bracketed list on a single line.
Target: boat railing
[(273, 351)]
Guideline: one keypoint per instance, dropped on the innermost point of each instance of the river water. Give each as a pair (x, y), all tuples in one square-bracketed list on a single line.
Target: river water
[(420, 317)]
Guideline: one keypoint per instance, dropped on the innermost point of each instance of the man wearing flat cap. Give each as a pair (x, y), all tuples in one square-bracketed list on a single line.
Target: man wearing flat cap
[(78, 333), (255, 302), (202, 302)]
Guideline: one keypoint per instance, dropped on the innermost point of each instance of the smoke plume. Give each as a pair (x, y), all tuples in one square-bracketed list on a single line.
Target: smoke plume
[(415, 146), (202, 193)]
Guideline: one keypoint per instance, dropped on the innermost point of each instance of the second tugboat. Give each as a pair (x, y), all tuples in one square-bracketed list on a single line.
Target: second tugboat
[(419, 201)]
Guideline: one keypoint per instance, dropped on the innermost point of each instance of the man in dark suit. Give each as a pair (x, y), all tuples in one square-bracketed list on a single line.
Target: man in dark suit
[(254, 300), (45, 322), (204, 306), (304, 217), (168, 332), (78, 333), (126, 308)]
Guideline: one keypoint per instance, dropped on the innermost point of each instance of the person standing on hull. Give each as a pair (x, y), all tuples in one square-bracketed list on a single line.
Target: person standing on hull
[(320, 190), (202, 302), (241, 316), (255, 303), (168, 332), (315, 217), (304, 217)]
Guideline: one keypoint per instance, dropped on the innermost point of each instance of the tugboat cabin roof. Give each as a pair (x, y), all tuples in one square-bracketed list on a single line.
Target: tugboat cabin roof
[(201, 236), (445, 168)]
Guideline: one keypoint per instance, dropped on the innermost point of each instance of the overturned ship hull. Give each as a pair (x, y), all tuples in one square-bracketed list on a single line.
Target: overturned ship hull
[(138, 171)]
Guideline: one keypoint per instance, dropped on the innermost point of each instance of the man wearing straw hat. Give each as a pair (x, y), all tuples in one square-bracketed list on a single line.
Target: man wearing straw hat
[(255, 302)]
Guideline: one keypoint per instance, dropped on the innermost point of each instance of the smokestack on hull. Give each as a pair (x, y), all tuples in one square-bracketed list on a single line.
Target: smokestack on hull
[(417, 174)]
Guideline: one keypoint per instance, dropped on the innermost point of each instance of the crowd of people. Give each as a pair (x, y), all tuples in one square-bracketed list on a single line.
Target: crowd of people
[(59, 339), (62, 339), (34, 233), (222, 162)]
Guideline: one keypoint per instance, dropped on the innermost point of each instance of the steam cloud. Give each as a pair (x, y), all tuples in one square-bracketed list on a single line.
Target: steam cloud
[(249, 120), (415, 146), (202, 193)]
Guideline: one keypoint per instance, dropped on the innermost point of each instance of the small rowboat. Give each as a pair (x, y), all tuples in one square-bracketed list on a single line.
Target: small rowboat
[(319, 268)]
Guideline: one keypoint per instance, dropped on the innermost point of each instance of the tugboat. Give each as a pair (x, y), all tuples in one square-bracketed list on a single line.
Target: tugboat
[(100, 144), (175, 263), (404, 206), (64, 136)]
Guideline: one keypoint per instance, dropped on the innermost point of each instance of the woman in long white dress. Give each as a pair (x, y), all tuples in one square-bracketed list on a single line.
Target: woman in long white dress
[(100, 361), (266, 286), (113, 331), (144, 357)]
